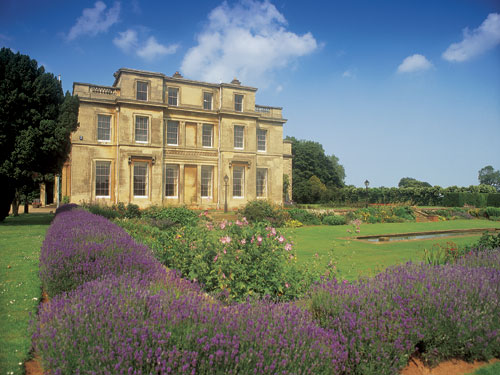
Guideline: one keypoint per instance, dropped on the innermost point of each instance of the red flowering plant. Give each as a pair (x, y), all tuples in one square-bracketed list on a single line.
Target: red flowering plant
[(443, 253)]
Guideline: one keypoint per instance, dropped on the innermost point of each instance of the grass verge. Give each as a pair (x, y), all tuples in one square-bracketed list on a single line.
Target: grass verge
[(361, 258), (20, 290), (493, 369)]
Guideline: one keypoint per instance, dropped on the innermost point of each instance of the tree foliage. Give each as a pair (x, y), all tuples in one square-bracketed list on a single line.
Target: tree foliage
[(36, 121), (488, 176), (309, 159), (412, 182)]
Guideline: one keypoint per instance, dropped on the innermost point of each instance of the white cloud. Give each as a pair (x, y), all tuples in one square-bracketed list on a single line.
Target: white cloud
[(414, 63), (485, 37), (279, 89), (95, 20), (153, 49), (128, 41), (247, 41)]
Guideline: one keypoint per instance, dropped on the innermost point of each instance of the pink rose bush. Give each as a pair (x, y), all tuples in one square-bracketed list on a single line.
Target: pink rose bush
[(233, 260)]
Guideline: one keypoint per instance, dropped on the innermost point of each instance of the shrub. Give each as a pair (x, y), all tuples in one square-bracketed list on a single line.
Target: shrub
[(293, 224), (384, 214), (404, 212), (453, 213), (259, 211), (334, 220), (489, 241), (182, 216), (132, 211), (80, 247), (123, 326), (492, 212), (304, 216), (101, 210)]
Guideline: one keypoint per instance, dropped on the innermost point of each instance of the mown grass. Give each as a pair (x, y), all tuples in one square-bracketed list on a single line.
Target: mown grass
[(361, 258), (20, 290), (493, 369)]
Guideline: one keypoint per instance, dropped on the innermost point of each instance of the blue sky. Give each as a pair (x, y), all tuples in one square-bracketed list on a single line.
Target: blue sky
[(392, 88)]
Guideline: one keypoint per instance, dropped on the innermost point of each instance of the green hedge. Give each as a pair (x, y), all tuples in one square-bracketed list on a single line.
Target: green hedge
[(493, 200), (429, 196), (459, 199)]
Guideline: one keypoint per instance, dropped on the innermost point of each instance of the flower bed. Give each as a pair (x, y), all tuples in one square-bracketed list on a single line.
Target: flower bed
[(448, 311), (236, 260), (144, 319), (81, 247), (132, 321)]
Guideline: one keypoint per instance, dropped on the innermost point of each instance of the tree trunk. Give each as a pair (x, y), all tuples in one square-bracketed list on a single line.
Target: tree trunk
[(15, 207), (26, 208)]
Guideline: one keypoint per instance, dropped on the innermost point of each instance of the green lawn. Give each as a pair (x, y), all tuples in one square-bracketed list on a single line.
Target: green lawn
[(355, 258), (20, 290), (493, 369)]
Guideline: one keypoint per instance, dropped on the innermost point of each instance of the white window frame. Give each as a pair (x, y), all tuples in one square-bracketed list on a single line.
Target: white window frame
[(242, 128), (238, 106), (146, 182), (264, 186), (175, 168), (237, 168), (176, 97), (99, 117), (137, 117), (137, 91), (261, 132), (208, 105), (108, 165), (177, 125), (203, 137), (207, 170)]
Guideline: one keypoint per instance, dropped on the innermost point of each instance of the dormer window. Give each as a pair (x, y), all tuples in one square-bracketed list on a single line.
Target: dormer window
[(142, 91), (238, 103)]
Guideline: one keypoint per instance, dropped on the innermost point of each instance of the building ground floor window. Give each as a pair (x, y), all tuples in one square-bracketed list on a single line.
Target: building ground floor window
[(261, 182), (102, 179), (171, 181), (140, 180), (206, 181), (238, 181)]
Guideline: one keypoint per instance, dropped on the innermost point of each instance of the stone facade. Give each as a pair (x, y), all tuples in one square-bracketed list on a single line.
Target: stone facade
[(151, 139)]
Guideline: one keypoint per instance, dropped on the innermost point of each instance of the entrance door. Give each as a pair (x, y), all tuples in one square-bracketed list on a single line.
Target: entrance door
[(49, 192), (190, 179)]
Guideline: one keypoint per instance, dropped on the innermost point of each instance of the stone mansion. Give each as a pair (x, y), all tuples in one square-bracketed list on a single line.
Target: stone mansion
[(152, 139)]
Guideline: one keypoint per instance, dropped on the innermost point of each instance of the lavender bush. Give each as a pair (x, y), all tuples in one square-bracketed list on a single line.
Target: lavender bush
[(449, 311), (80, 247), (122, 326)]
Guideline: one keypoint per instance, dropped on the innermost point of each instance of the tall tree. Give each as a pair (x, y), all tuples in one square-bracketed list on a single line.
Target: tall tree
[(488, 176), (338, 169), (36, 121), (309, 160), (412, 182)]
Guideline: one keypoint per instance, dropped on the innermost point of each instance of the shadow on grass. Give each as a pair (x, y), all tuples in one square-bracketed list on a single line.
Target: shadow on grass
[(28, 219)]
